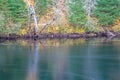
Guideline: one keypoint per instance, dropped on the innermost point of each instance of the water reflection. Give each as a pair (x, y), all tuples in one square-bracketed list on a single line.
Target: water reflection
[(90, 66), (33, 63), (60, 63), (102, 62), (94, 59)]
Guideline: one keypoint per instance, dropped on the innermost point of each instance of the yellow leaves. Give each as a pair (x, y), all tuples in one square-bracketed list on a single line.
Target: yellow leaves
[(53, 29), (62, 29), (70, 30), (46, 17), (116, 21), (116, 26), (57, 28), (23, 32), (31, 2), (82, 31), (56, 20), (77, 30), (49, 30)]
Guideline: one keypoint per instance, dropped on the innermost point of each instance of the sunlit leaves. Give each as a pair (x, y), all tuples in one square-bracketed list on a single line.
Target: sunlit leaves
[(23, 31)]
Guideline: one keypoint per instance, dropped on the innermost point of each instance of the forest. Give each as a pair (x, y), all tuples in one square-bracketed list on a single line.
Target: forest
[(59, 16)]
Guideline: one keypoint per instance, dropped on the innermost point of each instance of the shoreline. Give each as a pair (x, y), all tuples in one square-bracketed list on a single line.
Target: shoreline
[(58, 35)]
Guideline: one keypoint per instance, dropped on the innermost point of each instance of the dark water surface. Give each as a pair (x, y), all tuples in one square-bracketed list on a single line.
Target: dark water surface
[(94, 59)]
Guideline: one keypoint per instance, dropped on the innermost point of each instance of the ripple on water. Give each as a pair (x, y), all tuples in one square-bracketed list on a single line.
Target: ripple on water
[(64, 75)]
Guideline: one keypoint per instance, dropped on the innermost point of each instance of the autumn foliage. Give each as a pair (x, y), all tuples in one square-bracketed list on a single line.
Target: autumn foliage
[(59, 16)]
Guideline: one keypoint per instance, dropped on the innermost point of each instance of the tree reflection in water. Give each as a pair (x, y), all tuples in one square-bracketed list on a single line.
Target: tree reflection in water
[(90, 66), (60, 63), (33, 63)]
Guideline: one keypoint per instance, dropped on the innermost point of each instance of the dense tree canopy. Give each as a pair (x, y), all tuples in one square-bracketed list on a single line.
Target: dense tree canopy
[(77, 15), (107, 11), (14, 13)]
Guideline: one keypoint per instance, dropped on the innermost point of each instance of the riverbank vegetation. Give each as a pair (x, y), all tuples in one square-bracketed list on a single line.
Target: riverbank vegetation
[(60, 16)]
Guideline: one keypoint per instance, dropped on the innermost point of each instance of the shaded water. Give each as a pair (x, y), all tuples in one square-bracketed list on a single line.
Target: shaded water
[(94, 59)]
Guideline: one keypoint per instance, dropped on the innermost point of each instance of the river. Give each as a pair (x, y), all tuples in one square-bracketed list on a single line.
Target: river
[(80, 59)]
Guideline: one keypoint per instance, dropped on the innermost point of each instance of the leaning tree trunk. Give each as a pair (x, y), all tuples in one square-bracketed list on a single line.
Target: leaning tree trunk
[(58, 15)]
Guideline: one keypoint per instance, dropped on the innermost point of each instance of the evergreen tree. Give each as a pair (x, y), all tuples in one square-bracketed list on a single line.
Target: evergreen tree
[(18, 10), (77, 15), (41, 6), (107, 11), (13, 15), (4, 15)]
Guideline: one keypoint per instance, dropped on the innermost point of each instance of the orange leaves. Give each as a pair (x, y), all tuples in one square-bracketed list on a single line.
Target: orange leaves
[(116, 22), (116, 26), (31, 2), (82, 31)]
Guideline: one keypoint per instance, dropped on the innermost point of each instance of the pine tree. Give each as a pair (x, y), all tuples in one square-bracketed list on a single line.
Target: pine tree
[(107, 11), (4, 15), (13, 15), (77, 15), (18, 10)]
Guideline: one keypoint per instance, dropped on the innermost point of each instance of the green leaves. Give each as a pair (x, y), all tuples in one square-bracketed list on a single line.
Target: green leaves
[(17, 8), (15, 15), (77, 16), (107, 11), (41, 6)]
